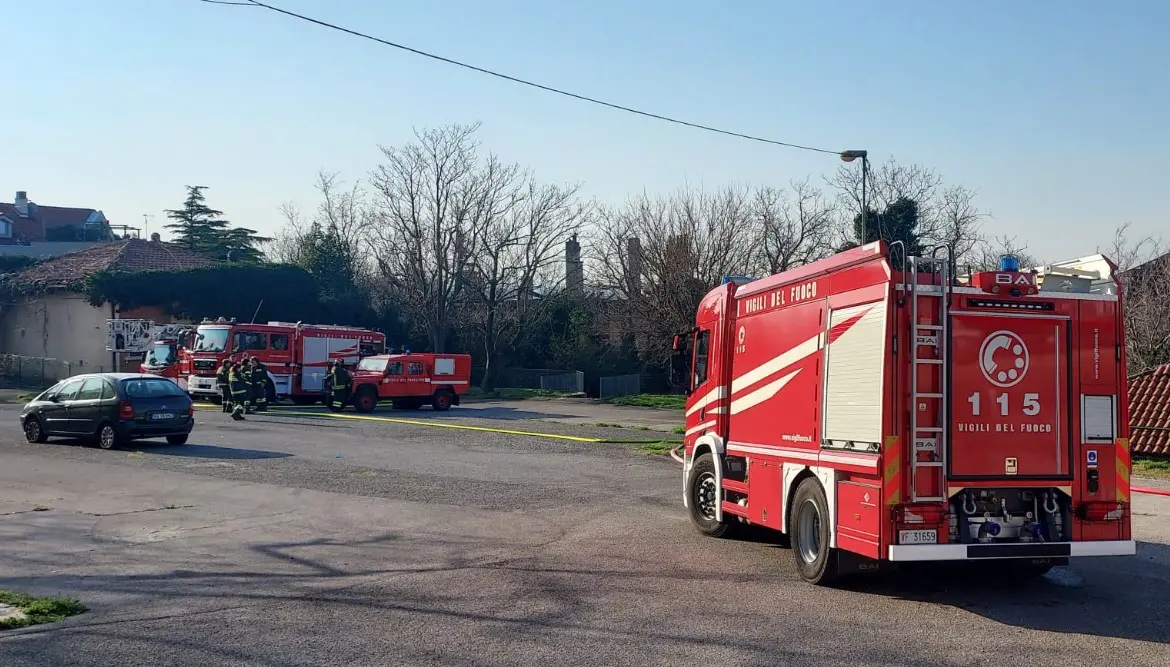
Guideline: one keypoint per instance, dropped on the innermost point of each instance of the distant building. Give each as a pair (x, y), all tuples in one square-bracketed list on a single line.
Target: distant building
[(58, 321), (24, 222)]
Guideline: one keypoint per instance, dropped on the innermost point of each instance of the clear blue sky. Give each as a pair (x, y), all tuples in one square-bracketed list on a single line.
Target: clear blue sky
[(1055, 111)]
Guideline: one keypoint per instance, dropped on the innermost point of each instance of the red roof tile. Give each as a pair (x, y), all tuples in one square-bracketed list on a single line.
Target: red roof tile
[(70, 270), (1149, 412)]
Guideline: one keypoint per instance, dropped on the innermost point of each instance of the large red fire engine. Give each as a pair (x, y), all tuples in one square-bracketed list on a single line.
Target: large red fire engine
[(296, 354), (162, 358), (877, 409)]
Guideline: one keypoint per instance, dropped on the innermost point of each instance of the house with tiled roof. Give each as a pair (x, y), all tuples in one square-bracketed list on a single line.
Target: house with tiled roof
[(24, 221), (1149, 412), (54, 318)]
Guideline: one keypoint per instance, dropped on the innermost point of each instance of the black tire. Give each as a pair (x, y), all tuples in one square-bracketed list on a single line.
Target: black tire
[(702, 494), (809, 533), (177, 439), (366, 400), (441, 401), (107, 437), (34, 431)]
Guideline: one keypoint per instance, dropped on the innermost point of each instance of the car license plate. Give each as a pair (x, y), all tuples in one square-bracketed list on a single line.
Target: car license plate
[(163, 415), (917, 537)]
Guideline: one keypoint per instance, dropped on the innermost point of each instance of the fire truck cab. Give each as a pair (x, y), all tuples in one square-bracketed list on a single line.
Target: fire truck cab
[(880, 409)]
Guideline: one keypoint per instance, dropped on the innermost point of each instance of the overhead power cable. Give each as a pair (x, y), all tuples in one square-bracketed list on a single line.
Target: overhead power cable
[(507, 77)]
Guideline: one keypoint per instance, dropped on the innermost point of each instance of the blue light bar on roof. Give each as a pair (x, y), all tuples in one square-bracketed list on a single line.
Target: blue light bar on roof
[(1009, 263)]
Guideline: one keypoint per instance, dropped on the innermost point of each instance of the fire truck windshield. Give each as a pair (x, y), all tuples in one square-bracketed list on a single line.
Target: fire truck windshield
[(211, 339), (161, 354), (372, 364)]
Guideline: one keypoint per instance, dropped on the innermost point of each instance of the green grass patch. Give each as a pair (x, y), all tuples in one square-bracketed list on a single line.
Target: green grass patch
[(667, 401), (657, 448), (506, 394), (1155, 468), (679, 430), (38, 610)]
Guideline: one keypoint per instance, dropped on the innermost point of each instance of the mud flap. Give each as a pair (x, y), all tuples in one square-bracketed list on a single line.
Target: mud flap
[(850, 563)]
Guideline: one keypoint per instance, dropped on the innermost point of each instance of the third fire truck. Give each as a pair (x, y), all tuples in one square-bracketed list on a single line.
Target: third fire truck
[(296, 354), (878, 408)]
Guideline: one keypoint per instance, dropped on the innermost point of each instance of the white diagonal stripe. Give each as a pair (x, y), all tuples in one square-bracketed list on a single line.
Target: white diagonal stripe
[(710, 397), (779, 363), (754, 398)]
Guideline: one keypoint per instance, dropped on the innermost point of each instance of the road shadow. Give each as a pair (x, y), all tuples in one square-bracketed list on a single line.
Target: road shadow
[(197, 451)]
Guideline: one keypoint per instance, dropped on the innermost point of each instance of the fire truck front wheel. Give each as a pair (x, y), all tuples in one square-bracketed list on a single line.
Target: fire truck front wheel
[(809, 533), (703, 494), (366, 399)]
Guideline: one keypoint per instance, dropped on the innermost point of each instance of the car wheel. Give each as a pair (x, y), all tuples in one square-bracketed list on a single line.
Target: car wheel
[(33, 432), (107, 437), (177, 439)]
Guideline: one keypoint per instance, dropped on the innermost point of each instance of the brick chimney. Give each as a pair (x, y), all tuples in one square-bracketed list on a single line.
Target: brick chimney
[(155, 238), (574, 267), (21, 203)]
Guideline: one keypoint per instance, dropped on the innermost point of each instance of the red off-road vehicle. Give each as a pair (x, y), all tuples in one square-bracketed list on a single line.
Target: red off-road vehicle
[(411, 380)]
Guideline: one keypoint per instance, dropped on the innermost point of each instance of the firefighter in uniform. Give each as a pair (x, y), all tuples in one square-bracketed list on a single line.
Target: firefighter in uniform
[(239, 382), (259, 385), (327, 383), (221, 382), (339, 381)]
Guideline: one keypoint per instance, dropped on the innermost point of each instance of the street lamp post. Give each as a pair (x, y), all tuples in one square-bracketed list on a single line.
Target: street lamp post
[(850, 156)]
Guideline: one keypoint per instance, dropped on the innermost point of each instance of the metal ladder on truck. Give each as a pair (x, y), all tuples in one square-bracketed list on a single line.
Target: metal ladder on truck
[(933, 336)]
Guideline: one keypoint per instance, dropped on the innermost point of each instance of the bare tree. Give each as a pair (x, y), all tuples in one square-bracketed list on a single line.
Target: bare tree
[(946, 215), (659, 256), (344, 213), (986, 252), (517, 256), (1144, 271), (795, 229), (426, 217)]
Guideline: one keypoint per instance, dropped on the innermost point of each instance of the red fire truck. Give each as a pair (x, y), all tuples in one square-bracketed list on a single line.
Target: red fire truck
[(162, 358), (410, 381), (295, 353), (878, 409)]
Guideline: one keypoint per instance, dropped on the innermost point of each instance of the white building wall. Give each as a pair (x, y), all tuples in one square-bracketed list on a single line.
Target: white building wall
[(62, 326)]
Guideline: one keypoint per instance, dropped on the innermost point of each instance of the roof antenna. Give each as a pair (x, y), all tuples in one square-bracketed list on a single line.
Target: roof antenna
[(257, 311)]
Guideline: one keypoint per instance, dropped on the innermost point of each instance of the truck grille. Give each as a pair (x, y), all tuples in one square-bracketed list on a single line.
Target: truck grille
[(204, 364)]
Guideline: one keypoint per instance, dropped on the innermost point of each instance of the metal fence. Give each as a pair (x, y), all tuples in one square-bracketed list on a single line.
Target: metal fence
[(619, 385), (33, 372), (570, 382), (550, 379)]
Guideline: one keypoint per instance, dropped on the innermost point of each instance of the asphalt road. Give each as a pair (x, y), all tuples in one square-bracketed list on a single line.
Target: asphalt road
[(317, 541)]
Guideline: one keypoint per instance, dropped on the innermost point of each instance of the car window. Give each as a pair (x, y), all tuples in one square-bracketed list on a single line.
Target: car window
[(108, 391), (68, 391), (91, 390), (414, 368), (151, 388), (395, 368), (44, 395)]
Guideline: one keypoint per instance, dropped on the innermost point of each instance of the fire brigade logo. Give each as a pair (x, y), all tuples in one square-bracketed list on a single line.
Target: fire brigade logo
[(742, 334), (1003, 358)]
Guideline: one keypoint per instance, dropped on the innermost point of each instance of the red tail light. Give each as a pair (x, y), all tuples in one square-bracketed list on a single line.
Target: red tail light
[(125, 410), (191, 410)]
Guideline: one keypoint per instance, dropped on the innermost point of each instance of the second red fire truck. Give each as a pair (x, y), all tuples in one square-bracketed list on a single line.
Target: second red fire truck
[(879, 409), (296, 354)]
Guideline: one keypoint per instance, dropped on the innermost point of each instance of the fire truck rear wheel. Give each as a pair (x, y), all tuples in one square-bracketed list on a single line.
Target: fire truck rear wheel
[(815, 561), (441, 401), (702, 496)]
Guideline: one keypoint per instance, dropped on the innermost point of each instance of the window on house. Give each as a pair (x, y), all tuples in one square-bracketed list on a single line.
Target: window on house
[(5, 229)]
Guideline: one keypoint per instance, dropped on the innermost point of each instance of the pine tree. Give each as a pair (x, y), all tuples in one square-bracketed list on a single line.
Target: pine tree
[(197, 226), (200, 228)]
